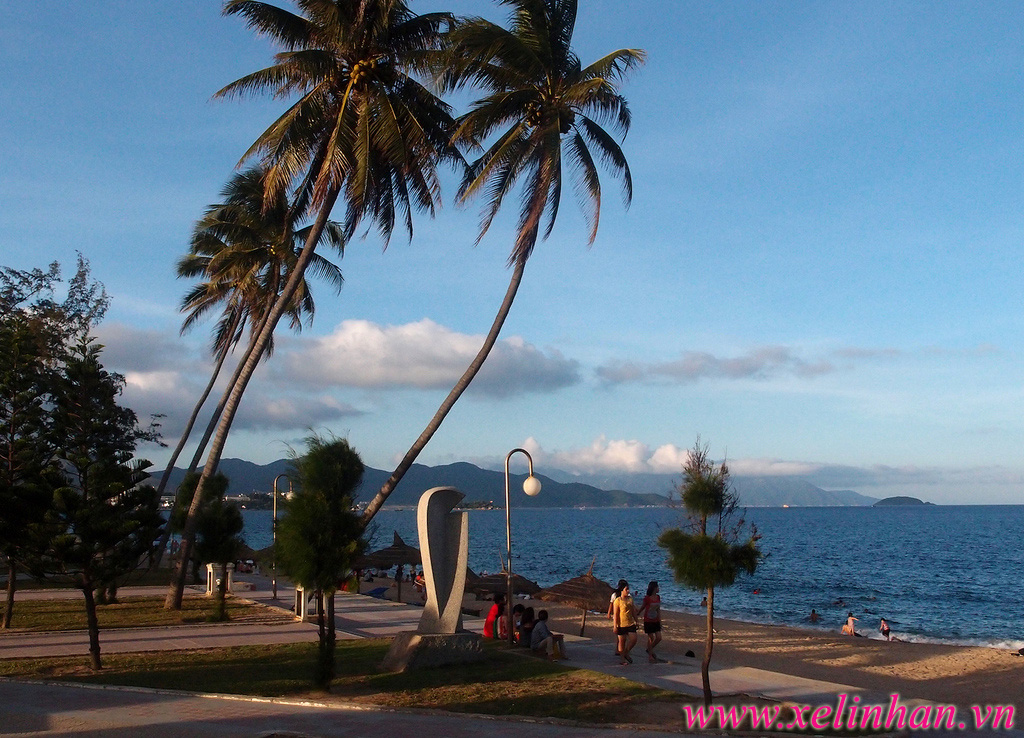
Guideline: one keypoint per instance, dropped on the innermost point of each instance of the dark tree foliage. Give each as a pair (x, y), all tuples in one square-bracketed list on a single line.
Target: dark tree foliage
[(102, 520), (219, 541), (212, 493), (716, 546), (320, 537), (35, 329)]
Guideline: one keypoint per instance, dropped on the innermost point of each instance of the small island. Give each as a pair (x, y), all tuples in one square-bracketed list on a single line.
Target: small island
[(900, 501)]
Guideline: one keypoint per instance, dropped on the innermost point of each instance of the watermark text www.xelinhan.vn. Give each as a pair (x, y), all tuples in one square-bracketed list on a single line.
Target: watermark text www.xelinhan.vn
[(848, 713)]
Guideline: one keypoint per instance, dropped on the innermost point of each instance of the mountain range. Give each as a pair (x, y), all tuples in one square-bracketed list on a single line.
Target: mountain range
[(558, 489)]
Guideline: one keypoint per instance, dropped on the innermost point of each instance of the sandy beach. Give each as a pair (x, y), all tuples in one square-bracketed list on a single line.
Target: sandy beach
[(957, 675)]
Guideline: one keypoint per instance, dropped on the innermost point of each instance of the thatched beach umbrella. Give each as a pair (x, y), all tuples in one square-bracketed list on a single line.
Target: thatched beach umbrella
[(399, 553), (586, 592), (494, 583)]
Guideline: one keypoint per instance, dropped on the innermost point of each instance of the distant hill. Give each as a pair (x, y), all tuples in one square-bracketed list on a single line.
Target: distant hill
[(479, 485), (901, 501), (560, 489), (753, 491)]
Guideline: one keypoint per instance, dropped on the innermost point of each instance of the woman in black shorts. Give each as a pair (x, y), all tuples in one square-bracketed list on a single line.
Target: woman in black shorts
[(651, 610)]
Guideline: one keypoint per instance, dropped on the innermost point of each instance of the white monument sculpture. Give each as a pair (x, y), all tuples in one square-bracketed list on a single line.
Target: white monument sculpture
[(444, 547)]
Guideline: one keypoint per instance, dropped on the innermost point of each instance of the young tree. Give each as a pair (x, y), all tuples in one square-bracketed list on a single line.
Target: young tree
[(25, 442), (35, 330), (716, 546), (218, 541), (321, 535), (102, 520)]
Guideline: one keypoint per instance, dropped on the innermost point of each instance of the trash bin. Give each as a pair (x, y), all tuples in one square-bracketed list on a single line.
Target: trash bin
[(213, 578)]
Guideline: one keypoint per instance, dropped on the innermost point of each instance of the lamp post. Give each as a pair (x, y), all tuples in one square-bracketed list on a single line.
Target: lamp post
[(531, 486), (273, 579)]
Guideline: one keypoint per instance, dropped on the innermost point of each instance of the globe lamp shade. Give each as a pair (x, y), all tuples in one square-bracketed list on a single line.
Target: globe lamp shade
[(531, 486)]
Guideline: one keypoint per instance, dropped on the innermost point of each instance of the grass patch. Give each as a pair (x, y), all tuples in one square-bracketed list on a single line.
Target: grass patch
[(160, 577), (129, 612), (502, 684)]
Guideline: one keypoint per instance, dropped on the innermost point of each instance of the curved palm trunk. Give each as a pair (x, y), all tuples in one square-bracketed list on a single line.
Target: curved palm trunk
[(215, 416), (195, 412), (247, 368), (161, 547), (453, 396)]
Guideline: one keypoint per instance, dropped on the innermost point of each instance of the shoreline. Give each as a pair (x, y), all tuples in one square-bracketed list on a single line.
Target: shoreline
[(1011, 645), (960, 675), (943, 673)]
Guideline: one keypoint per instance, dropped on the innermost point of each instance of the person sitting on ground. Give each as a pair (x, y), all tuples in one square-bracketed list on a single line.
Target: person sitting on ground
[(526, 625), (494, 625), (542, 639), (517, 621)]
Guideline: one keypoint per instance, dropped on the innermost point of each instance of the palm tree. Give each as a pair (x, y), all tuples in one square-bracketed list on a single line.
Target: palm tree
[(362, 130), (548, 109), (244, 253)]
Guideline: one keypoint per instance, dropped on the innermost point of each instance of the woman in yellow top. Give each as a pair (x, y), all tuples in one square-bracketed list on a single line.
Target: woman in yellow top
[(625, 624)]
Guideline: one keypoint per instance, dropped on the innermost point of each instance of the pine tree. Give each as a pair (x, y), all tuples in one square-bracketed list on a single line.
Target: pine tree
[(716, 547), (102, 520)]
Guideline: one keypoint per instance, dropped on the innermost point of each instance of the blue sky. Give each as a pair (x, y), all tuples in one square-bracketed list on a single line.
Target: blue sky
[(818, 274)]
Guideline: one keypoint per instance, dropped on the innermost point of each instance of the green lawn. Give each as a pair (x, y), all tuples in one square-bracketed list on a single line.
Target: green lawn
[(69, 614), (505, 683)]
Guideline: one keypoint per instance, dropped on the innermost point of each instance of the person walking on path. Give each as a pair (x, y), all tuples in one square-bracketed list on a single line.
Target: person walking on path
[(650, 608), (625, 624), (611, 612)]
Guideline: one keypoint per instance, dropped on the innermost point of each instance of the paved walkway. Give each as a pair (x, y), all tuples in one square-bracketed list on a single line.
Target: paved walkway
[(28, 709), (32, 709), (358, 616)]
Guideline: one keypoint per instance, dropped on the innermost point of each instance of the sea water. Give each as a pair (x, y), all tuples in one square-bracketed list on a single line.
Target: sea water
[(950, 574)]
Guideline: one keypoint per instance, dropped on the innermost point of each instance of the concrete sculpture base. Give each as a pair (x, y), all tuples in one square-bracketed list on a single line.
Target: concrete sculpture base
[(412, 650)]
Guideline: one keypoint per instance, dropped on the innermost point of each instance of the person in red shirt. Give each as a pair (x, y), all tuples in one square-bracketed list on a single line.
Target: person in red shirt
[(651, 611), (494, 625)]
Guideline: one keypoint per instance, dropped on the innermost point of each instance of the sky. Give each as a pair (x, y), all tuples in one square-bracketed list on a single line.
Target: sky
[(818, 274)]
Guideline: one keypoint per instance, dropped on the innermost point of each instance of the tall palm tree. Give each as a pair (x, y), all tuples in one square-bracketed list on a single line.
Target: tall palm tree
[(362, 130), (547, 111), (244, 251)]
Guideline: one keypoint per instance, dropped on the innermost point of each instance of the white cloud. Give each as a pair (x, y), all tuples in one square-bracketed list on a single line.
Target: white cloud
[(128, 349), (601, 455), (668, 459), (770, 468), (423, 355), (261, 412), (759, 363), (635, 457)]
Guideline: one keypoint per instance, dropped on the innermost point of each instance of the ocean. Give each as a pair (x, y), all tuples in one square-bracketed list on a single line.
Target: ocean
[(941, 574)]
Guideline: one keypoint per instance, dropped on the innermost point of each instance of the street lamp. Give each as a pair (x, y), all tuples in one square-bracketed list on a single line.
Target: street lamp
[(273, 580), (531, 486)]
